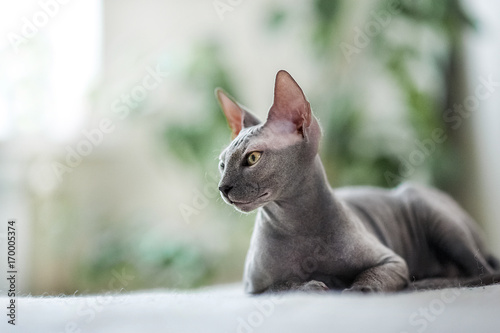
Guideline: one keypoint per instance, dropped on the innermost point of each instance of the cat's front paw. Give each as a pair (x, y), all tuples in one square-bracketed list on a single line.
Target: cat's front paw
[(360, 289), (313, 285)]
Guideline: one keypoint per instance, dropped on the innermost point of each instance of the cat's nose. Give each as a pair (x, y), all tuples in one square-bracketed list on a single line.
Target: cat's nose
[(225, 189)]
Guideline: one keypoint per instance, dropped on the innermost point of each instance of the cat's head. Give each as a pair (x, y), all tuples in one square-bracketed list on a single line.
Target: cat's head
[(266, 160)]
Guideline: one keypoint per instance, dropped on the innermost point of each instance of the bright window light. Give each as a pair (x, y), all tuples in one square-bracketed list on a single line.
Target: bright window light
[(50, 56)]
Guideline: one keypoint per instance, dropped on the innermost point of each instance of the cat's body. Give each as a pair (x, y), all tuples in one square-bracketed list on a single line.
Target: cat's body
[(310, 237)]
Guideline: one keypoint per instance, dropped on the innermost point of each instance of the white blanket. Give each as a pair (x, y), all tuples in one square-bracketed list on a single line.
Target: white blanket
[(228, 309)]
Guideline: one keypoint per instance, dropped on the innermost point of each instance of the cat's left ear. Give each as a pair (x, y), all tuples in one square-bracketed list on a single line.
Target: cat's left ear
[(237, 117)]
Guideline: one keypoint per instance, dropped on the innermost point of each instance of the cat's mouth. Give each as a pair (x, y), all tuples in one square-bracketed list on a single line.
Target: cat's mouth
[(248, 206)]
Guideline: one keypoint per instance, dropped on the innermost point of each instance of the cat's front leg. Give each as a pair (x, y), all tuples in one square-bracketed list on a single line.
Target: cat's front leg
[(390, 275)]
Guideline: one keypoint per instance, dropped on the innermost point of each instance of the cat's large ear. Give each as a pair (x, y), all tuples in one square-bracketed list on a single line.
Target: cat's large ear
[(290, 105), (237, 117)]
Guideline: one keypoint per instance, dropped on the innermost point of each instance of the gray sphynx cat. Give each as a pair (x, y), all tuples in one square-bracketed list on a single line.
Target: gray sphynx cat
[(310, 237)]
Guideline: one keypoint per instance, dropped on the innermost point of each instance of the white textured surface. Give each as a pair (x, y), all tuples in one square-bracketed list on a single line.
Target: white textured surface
[(227, 309)]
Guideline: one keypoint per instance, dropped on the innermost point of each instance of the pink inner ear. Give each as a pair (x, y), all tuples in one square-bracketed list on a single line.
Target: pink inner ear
[(232, 112), (290, 103)]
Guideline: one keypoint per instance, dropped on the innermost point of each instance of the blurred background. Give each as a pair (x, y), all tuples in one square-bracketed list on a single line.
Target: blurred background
[(110, 132)]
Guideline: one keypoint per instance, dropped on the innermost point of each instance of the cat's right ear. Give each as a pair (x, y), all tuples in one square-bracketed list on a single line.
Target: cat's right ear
[(237, 117)]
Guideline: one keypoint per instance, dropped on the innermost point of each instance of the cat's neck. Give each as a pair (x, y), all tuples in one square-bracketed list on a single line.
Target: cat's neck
[(308, 208)]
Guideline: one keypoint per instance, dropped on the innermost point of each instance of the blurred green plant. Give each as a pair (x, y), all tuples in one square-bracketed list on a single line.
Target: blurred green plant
[(423, 109), (198, 142), (130, 260)]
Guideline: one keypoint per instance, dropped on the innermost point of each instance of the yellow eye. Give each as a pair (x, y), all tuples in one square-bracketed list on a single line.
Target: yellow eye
[(253, 157)]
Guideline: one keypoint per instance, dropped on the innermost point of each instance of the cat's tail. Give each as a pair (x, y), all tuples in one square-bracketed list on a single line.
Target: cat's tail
[(442, 283)]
